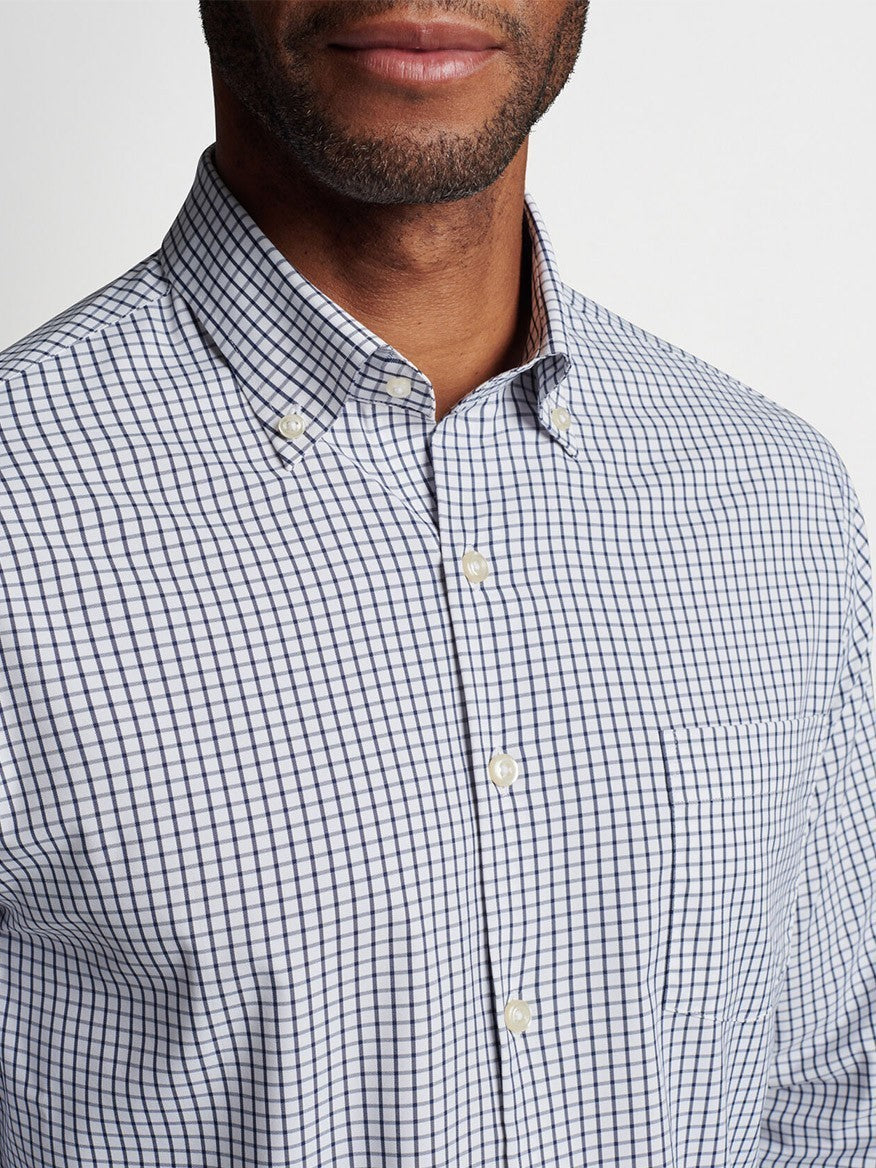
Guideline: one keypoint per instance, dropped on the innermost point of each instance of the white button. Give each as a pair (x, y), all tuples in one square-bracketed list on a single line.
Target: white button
[(517, 1015), (503, 769), (475, 566), (398, 386), (291, 426), (561, 417)]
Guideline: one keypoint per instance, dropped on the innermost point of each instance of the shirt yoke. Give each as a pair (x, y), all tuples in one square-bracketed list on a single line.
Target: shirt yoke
[(100, 311), (106, 314)]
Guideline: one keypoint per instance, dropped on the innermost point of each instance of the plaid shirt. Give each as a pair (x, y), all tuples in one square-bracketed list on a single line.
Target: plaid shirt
[(377, 792)]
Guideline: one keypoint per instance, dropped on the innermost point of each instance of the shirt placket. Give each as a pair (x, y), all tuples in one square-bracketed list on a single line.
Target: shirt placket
[(500, 740)]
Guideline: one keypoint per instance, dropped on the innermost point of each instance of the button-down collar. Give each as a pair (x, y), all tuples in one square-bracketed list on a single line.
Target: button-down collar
[(294, 351)]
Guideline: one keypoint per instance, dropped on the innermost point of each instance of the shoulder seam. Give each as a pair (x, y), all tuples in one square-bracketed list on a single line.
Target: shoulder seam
[(660, 343), (67, 347)]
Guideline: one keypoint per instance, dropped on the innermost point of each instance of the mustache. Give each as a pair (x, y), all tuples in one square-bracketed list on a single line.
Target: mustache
[(320, 20)]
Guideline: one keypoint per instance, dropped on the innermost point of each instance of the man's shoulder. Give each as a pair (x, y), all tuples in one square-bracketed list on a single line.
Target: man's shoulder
[(682, 405), (97, 316)]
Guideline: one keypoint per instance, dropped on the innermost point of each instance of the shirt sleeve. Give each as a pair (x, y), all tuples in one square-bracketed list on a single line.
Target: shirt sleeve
[(821, 1094)]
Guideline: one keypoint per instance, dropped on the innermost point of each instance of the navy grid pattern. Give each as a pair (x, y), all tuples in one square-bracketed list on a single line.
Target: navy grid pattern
[(378, 793)]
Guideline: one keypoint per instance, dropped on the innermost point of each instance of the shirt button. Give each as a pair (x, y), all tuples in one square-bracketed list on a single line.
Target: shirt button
[(475, 566), (561, 417), (503, 769), (291, 426), (398, 386), (517, 1015)]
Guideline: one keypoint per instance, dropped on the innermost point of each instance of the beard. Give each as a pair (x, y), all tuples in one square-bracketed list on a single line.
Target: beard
[(400, 165)]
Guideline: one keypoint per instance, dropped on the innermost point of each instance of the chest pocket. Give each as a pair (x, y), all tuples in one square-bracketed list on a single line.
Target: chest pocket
[(739, 815)]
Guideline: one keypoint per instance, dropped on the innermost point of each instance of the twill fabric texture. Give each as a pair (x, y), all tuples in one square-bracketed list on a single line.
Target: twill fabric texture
[(384, 793)]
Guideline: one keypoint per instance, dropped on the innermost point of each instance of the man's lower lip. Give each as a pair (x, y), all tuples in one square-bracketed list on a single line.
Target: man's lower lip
[(418, 65)]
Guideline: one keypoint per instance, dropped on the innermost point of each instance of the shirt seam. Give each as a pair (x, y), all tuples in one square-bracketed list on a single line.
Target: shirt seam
[(62, 348)]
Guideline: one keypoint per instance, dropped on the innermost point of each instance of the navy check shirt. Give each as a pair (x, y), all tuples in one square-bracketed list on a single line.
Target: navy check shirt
[(382, 793)]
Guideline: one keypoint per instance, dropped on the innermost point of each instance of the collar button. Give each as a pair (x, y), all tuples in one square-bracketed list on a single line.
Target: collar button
[(398, 386), (291, 425), (561, 417)]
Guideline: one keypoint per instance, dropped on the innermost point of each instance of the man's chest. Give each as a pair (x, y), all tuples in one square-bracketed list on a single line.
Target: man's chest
[(313, 707)]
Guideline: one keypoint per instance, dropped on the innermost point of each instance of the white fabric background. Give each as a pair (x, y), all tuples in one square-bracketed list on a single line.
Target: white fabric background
[(708, 173)]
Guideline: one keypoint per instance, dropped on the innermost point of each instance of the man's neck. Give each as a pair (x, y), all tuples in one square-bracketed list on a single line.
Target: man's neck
[(446, 284)]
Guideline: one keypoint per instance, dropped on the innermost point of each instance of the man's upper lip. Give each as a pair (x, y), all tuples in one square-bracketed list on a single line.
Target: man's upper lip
[(397, 34)]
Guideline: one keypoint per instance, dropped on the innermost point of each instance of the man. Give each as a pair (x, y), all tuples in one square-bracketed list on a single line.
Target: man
[(439, 729)]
